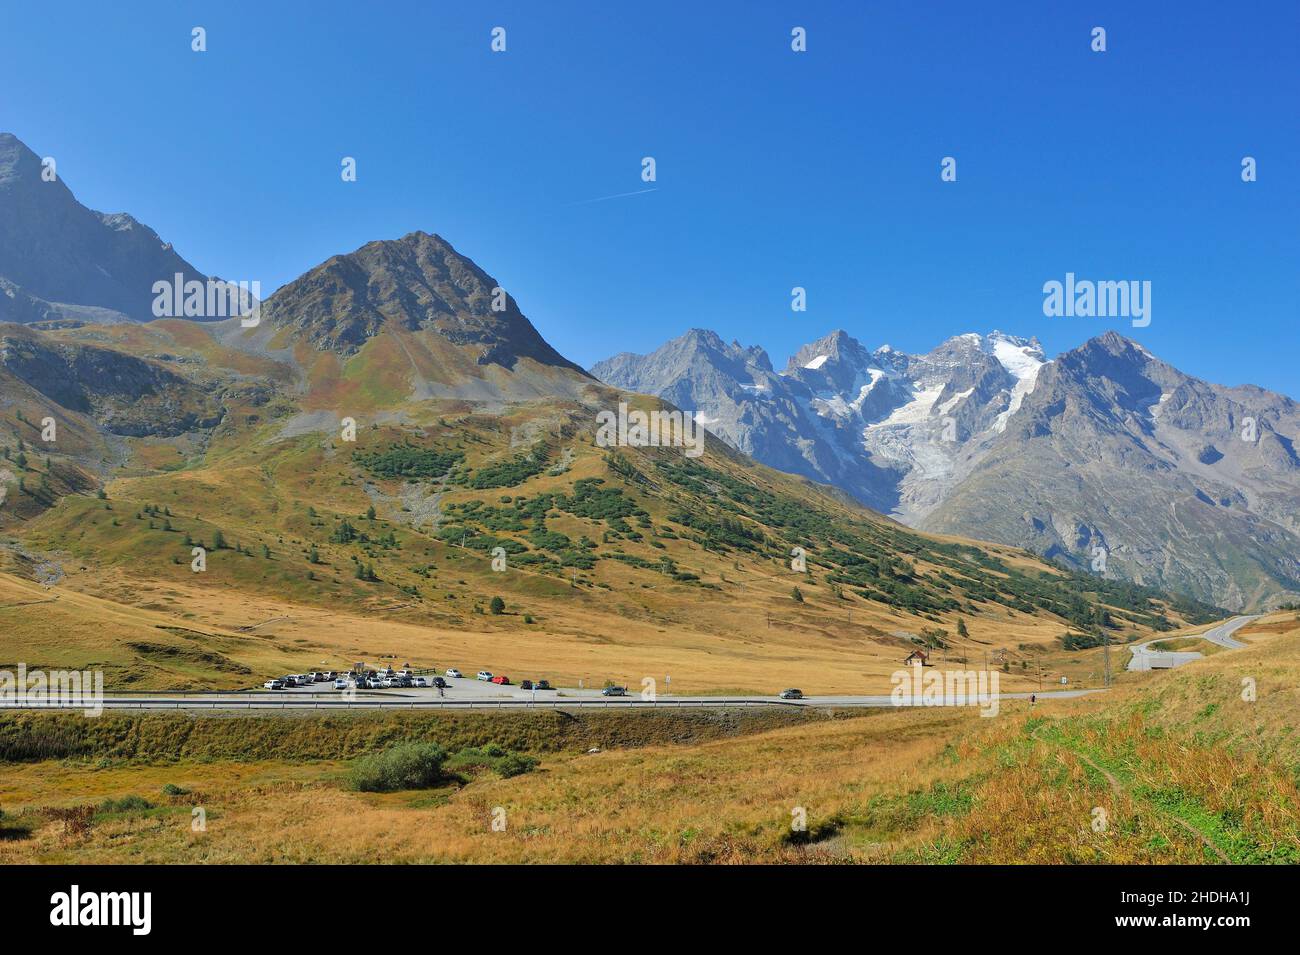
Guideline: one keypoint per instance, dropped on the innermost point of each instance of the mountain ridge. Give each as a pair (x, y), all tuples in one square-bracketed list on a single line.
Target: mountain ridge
[(62, 260), (939, 440)]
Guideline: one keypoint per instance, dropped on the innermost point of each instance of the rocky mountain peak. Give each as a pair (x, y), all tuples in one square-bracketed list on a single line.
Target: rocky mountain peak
[(63, 260), (416, 283)]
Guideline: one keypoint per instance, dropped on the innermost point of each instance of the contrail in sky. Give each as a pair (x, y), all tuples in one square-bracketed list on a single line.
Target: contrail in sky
[(639, 192)]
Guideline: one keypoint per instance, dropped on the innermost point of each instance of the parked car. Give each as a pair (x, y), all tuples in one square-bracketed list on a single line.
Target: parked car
[(614, 691), (485, 676), (543, 685), (273, 685), (319, 677), (792, 694), (440, 683), (500, 680), (420, 681), (340, 684), (525, 684), (405, 673), (453, 673)]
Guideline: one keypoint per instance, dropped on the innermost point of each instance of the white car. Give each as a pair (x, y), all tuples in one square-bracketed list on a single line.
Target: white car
[(340, 684), (485, 676), (453, 673), (273, 685), (419, 681)]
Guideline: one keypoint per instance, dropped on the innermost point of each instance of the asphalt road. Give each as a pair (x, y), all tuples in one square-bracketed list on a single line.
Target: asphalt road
[(473, 694), (1144, 658)]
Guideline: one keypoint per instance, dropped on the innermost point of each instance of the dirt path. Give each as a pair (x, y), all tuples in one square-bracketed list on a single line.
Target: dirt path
[(1117, 788)]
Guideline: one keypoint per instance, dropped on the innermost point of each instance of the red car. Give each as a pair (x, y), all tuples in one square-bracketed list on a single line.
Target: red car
[(501, 680)]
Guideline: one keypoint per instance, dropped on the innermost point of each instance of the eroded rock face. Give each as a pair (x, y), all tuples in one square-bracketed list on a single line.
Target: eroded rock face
[(123, 394), (415, 283)]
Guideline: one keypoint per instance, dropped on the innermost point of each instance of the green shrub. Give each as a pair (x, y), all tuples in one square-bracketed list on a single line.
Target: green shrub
[(126, 804), (404, 766), (501, 761)]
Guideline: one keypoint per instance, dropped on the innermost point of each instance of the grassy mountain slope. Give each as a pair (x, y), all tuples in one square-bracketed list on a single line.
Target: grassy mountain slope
[(350, 466)]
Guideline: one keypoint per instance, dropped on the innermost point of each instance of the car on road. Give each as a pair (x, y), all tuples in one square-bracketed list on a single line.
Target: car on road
[(453, 673), (273, 685), (792, 694), (525, 684), (614, 691), (440, 683), (340, 684), (419, 681), (543, 685), (500, 680), (485, 676)]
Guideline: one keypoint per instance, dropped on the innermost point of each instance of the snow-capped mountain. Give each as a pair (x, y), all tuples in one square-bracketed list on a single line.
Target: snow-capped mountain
[(1104, 449), (893, 429)]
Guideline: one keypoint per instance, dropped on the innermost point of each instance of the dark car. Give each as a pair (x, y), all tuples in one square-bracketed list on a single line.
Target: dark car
[(525, 684), (543, 685), (614, 691), (440, 683), (792, 694)]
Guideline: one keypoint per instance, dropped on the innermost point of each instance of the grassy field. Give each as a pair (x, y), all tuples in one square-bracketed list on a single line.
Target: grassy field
[(622, 565), (1170, 767)]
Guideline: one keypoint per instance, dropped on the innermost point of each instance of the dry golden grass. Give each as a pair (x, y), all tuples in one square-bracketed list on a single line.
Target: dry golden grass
[(1177, 771)]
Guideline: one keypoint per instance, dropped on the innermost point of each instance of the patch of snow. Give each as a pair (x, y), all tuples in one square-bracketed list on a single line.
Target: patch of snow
[(1020, 361), (817, 362), (834, 405), (1154, 410), (914, 412), (1023, 386), (953, 401)]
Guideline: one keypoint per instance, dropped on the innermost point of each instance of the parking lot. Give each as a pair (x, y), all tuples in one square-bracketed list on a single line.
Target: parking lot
[(466, 688)]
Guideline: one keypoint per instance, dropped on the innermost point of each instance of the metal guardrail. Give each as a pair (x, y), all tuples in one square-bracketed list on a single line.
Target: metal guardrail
[(287, 703)]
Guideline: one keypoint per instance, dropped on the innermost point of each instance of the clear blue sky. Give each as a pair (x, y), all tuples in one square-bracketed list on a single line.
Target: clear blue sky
[(775, 169)]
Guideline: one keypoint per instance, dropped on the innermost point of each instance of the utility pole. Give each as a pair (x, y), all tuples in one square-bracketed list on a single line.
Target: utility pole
[(1105, 642)]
